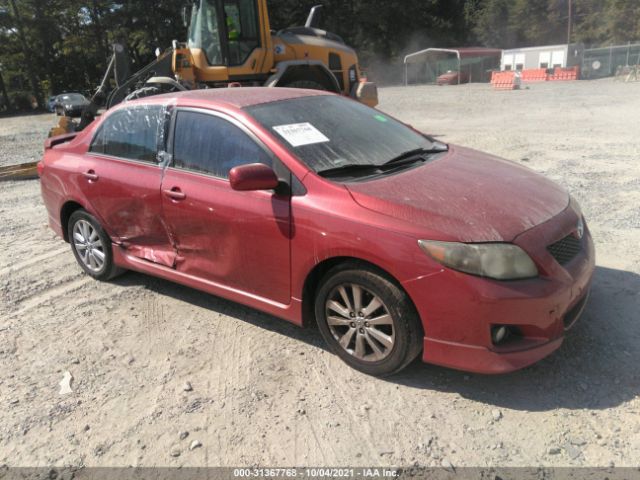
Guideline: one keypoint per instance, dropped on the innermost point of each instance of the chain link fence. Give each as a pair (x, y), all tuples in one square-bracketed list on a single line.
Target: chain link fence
[(610, 61)]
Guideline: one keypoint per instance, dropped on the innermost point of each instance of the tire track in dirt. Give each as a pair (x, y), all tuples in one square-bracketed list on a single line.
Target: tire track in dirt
[(363, 435), (16, 267), (49, 294)]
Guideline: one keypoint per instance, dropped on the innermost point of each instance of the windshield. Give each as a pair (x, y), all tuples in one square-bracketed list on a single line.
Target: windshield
[(328, 131), (204, 31)]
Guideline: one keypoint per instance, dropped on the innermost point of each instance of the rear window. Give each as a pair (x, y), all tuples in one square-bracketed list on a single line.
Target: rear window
[(132, 133), (329, 131)]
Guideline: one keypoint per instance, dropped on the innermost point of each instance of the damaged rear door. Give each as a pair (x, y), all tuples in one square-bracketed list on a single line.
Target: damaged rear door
[(121, 178)]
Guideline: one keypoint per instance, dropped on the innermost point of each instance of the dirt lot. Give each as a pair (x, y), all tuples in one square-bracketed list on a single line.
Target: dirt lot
[(265, 392)]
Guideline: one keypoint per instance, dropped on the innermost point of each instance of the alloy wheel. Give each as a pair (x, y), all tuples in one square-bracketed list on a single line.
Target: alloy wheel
[(360, 322), (88, 245)]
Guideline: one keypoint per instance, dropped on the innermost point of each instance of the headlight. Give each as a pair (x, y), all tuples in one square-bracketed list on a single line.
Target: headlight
[(501, 261)]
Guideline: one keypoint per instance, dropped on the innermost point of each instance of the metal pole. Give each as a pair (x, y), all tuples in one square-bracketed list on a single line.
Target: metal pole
[(611, 72), (628, 48)]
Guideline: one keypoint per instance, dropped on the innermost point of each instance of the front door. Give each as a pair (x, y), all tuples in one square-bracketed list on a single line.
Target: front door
[(240, 240), (121, 178)]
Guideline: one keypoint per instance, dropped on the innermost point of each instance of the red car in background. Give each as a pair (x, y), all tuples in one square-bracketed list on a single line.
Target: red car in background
[(315, 208), (453, 78)]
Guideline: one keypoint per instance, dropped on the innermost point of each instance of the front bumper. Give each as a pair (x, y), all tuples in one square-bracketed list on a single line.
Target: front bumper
[(458, 310), (73, 112)]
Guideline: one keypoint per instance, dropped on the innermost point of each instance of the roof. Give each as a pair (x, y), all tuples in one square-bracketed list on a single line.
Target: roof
[(541, 47), (464, 52), (478, 52), (239, 97)]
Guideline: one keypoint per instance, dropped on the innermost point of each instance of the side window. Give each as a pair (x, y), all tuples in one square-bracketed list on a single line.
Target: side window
[(132, 133), (209, 144)]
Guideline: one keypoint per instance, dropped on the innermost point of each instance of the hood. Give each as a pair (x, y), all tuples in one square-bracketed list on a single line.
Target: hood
[(467, 196), (314, 38)]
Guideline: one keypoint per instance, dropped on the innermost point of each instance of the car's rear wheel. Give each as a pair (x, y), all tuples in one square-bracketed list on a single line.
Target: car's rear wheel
[(367, 320), (91, 246)]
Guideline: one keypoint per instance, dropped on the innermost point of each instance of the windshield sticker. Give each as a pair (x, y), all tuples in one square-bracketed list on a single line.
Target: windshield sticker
[(300, 134), (381, 118)]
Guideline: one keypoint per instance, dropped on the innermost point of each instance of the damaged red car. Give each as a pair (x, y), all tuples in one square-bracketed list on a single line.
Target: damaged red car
[(317, 209)]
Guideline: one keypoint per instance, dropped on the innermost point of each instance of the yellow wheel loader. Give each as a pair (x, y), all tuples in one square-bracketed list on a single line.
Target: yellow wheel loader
[(230, 43)]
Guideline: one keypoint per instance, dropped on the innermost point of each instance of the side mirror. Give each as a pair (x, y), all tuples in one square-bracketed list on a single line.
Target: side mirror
[(255, 176)]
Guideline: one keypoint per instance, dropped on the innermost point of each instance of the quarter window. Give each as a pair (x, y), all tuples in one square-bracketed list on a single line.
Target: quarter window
[(209, 144), (132, 133)]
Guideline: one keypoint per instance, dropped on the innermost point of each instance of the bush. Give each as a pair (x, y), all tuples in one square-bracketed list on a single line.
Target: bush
[(20, 100)]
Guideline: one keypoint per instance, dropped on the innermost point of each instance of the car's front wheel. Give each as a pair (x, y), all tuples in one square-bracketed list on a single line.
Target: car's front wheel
[(91, 246), (367, 320)]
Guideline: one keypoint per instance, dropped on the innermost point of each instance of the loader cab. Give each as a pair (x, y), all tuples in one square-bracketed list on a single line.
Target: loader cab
[(229, 37)]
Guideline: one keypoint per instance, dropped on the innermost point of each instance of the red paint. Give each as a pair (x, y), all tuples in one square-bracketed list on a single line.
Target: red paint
[(259, 247), (467, 196), (238, 239), (59, 139), (453, 78), (255, 176)]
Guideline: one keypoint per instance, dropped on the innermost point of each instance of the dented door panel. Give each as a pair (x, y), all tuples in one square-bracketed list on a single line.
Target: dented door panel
[(239, 239), (126, 197)]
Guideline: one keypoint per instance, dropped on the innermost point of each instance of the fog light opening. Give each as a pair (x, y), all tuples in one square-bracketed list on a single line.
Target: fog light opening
[(499, 334)]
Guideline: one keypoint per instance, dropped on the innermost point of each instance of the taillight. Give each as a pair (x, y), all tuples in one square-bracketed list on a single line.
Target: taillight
[(40, 168)]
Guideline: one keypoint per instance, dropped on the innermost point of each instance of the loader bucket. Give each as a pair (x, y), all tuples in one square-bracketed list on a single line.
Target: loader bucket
[(65, 125)]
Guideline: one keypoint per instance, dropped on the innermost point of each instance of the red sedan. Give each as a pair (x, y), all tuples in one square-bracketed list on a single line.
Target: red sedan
[(315, 208), (453, 78)]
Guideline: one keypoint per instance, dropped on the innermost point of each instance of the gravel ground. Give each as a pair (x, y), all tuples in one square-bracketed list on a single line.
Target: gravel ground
[(22, 138), (157, 366)]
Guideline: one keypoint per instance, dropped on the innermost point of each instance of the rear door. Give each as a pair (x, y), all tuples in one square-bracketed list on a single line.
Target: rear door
[(121, 179), (239, 240)]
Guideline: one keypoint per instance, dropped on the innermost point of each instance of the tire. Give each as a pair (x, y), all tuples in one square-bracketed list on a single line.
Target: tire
[(91, 246), (143, 93), (308, 84), (396, 319)]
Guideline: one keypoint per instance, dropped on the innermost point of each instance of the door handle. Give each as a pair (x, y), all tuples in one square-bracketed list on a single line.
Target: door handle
[(175, 194), (91, 175)]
